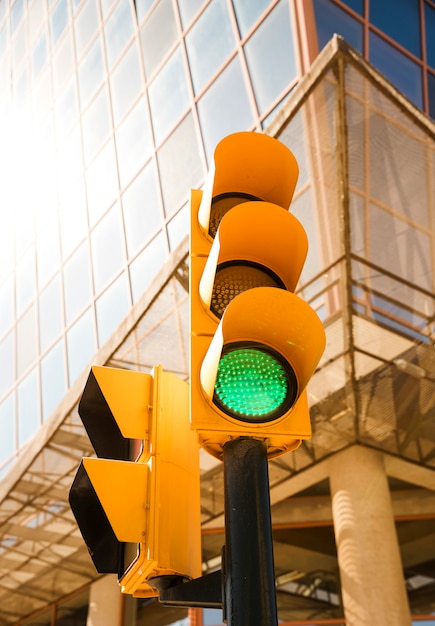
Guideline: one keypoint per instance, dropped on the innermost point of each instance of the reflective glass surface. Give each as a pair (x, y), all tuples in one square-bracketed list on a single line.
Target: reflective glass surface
[(66, 109), (102, 182), (50, 314), (247, 13), (81, 345), (271, 57), (7, 428), (58, 20), (111, 308), (125, 83), (77, 283), (96, 125), (85, 26), (330, 19), (107, 248), (399, 69), (213, 25), (39, 55), (62, 63), (142, 212), (157, 35), (28, 411), (146, 266), (133, 142), (118, 30), (25, 280), (53, 381), (399, 19), (168, 96), (7, 369), (188, 9), (220, 115), (48, 250), (179, 175), (73, 217), (7, 308), (90, 73), (429, 14)]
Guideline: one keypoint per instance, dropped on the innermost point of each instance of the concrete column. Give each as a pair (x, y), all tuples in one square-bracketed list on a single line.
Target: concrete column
[(106, 604), (372, 582)]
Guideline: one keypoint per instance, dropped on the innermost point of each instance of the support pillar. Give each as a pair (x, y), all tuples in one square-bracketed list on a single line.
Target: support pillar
[(106, 604), (372, 583)]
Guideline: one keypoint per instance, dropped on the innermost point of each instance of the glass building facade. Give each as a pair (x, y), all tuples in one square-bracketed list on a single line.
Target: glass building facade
[(110, 113)]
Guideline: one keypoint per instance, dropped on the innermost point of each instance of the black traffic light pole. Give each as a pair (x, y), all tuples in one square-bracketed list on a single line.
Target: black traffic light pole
[(245, 588), (249, 575)]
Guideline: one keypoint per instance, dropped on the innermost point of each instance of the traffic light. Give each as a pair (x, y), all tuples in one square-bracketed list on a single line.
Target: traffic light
[(254, 343), (137, 506)]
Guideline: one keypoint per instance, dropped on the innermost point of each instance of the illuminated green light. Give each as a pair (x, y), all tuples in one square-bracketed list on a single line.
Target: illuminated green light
[(253, 384)]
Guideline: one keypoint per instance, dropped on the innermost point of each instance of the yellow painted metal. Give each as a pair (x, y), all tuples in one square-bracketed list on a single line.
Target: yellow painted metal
[(129, 396), (122, 488), (173, 539), (153, 505), (263, 233)]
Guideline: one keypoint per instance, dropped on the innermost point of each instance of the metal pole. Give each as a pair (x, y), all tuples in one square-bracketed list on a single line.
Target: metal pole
[(249, 576)]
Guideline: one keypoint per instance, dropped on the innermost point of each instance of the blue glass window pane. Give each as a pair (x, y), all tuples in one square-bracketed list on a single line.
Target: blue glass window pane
[(180, 165), (215, 26), (429, 14), (330, 19), (188, 10), (58, 21), (147, 265), (7, 429), (219, 115), (77, 283), (7, 368), (399, 69), (107, 248), (169, 96), (28, 403), (80, 343), (50, 314), (52, 379), (400, 20), (125, 84), (356, 5), (96, 126), (271, 57), (85, 26), (142, 211), (26, 340), (247, 13), (133, 142), (111, 308), (431, 90), (118, 31), (158, 35), (90, 73), (62, 63)]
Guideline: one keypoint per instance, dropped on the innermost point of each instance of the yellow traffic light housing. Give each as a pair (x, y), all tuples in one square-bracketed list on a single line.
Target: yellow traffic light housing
[(138, 508), (254, 343)]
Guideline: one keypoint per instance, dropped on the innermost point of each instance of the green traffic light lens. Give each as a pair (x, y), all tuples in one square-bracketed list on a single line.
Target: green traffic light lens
[(254, 384)]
